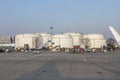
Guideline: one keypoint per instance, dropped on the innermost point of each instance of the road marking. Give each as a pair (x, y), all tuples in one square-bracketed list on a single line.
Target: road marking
[(84, 58)]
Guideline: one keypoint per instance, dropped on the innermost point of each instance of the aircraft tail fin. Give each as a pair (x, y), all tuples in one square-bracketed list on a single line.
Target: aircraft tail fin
[(115, 34)]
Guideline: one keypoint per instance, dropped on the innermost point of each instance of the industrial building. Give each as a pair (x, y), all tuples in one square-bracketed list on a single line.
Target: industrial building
[(62, 41), (57, 41), (7, 41), (76, 38), (45, 39), (94, 41), (27, 41)]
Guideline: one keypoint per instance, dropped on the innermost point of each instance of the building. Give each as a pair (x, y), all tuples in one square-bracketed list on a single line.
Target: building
[(94, 41), (28, 40), (7, 41)]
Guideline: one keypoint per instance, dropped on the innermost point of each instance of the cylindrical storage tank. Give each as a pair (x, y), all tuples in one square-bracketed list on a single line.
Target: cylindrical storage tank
[(85, 42), (31, 40), (96, 40), (46, 39), (62, 40), (76, 38)]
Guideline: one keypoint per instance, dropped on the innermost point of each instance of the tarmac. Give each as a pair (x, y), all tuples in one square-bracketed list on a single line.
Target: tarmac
[(60, 66)]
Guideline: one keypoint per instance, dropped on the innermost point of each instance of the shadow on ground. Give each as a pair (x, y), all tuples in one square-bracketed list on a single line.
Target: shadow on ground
[(49, 71)]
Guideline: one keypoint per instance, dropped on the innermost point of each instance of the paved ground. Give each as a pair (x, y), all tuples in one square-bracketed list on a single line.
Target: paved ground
[(60, 66)]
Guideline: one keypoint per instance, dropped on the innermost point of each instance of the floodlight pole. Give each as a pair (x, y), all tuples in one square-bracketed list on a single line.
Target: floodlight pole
[(51, 28)]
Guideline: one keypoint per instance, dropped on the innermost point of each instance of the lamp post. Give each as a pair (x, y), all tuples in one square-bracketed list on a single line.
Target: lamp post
[(51, 28)]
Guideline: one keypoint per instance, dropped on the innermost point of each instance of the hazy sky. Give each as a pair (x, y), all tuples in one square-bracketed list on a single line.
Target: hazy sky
[(85, 16)]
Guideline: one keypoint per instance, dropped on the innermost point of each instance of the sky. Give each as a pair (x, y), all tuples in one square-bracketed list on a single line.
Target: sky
[(84, 16)]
